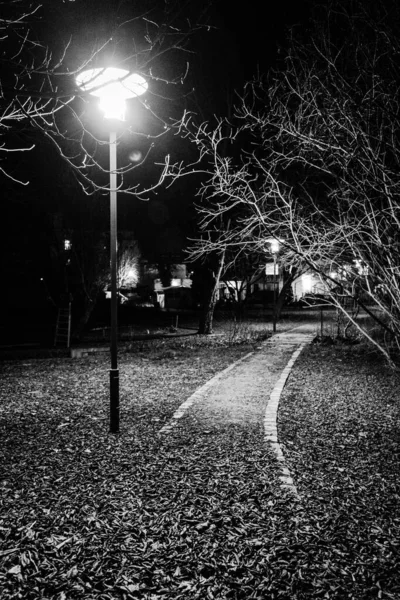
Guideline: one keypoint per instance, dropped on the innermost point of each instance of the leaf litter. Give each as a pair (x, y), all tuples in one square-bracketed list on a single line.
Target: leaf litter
[(198, 513), (340, 424)]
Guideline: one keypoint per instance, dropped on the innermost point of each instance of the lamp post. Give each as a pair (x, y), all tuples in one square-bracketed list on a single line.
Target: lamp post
[(113, 86), (274, 250)]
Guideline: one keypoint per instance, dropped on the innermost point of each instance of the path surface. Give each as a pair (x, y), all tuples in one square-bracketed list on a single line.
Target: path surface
[(246, 394)]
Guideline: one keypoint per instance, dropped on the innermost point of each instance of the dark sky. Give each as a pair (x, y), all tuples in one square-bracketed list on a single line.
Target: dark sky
[(245, 40), (241, 39), (227, 56)]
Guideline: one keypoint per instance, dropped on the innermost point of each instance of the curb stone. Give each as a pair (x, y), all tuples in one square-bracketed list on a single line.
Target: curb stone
[(294, 339), (199, 395), (270, 420)]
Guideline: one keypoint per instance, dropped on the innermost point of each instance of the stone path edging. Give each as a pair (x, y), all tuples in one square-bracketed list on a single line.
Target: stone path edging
[(199, 395), (271, 411), (270, 421)]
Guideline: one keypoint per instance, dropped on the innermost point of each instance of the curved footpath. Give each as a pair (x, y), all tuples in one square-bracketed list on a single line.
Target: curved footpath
[(248, 391)]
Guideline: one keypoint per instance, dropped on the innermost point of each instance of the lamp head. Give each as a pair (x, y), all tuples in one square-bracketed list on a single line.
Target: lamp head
[(113, 107), (113, 86), (274, 246)]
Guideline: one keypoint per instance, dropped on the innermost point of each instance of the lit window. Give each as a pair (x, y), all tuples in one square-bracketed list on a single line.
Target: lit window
[(307, 283)]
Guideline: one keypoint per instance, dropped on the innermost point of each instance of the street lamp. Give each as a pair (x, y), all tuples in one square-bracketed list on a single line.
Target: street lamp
[(274, 250), (113, 87)]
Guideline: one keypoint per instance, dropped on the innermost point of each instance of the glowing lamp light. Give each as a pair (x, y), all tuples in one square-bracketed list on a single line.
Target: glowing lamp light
[(360, 267), (274, 246), (113, 108), (113, 86)]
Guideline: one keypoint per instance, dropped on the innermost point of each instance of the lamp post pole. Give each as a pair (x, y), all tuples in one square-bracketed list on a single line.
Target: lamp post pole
[(113, 86), (114, 372)]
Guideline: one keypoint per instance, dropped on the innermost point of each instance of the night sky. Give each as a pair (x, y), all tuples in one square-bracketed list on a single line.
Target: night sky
[(244, 42), (238, 43)]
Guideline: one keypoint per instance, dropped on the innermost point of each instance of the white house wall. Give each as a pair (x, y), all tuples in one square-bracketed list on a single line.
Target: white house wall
[(308, 283)]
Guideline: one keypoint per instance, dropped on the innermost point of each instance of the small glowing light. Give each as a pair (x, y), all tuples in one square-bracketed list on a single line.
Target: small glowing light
[(135, 156), (333, 274), (274, 246), (67, 245), (360, 267)]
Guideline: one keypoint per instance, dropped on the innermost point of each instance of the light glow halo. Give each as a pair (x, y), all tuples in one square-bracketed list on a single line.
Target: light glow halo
[(112, 83)]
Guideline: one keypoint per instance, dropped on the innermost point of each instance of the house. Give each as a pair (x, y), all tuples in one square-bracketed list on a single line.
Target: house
[(308, 283), (176, 297), (178, 293)]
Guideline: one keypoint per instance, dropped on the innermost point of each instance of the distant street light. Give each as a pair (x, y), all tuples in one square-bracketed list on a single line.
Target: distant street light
[(113, 87), (274, 246)]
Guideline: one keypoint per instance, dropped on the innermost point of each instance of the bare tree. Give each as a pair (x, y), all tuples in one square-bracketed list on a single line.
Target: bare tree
[(314, 162), (240, 275), (239, 213), (89, 271), (128, 263), (39, 95), (333, 136), (89, 275)]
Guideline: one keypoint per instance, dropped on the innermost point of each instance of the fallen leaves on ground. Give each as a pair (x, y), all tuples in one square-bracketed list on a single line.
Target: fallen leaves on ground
[(339, 422), (198, 513)]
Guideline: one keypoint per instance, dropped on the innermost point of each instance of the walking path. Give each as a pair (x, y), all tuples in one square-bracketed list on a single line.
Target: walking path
[(248, 392)]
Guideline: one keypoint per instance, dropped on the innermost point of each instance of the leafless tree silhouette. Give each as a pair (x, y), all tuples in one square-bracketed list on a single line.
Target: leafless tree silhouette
[(313, 161), (39, 97)]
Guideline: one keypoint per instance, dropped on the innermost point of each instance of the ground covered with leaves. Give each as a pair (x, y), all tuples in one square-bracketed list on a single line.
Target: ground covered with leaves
[(339, 422), (198, 513)]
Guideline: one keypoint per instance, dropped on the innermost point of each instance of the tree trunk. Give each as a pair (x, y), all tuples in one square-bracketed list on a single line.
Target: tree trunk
[(83, 319), (207, 313), (282, 295)]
